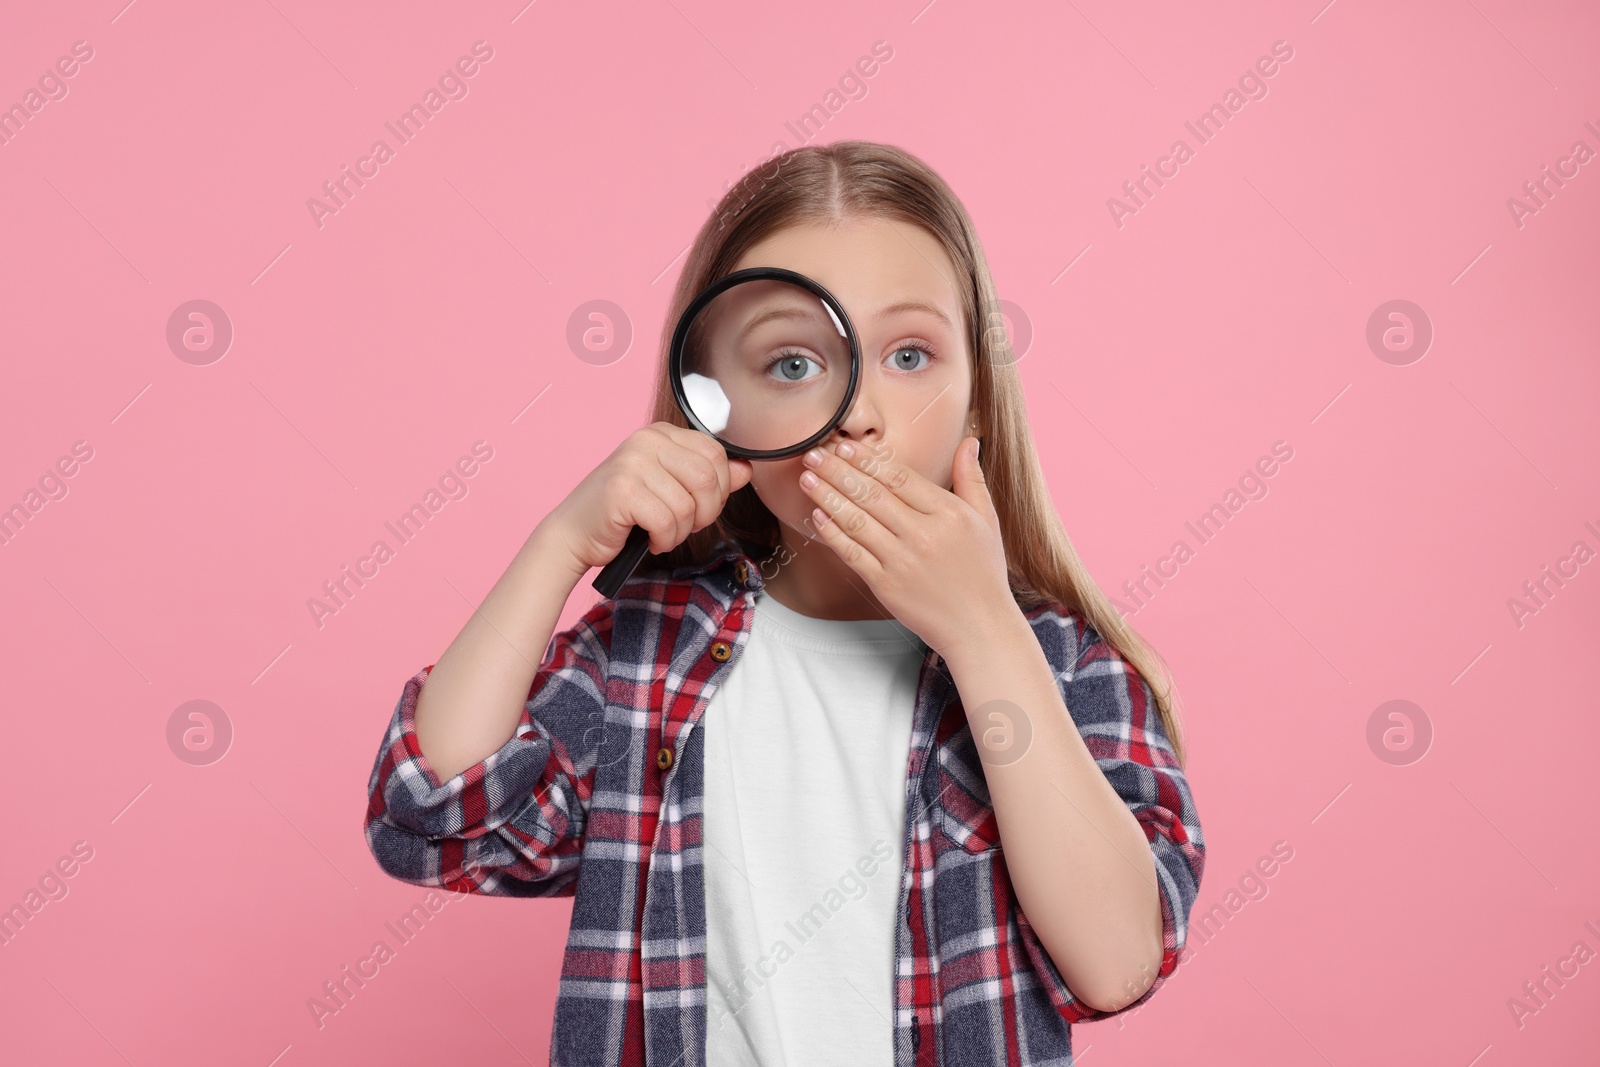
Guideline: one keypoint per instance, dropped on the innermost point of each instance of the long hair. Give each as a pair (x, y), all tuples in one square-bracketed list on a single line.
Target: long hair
[(863, 179)]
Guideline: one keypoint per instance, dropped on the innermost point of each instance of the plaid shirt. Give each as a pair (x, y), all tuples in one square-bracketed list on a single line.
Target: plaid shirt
[(603, 779)]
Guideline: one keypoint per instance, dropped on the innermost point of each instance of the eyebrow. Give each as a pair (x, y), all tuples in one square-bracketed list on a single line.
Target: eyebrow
[(916, 305), (784, 311)]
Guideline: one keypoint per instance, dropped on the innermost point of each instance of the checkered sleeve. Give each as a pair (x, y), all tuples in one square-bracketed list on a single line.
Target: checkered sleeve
[(511, 824), (1115, 712)]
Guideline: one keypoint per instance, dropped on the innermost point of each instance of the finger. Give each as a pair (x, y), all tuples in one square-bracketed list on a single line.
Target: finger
[(860, 525), (704, 479), (904, 482), (740, 472), (866, 492), (716, 453), (855, 555), (680, 505), (696, 441), (655, 516)]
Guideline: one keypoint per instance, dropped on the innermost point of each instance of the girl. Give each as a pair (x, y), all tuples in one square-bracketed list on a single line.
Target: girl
[(860, 766)]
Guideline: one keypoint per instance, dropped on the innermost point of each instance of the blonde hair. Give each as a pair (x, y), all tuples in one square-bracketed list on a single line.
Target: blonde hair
[(828, 184)]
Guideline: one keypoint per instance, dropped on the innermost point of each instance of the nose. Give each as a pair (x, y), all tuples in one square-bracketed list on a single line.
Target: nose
[(864, 421)]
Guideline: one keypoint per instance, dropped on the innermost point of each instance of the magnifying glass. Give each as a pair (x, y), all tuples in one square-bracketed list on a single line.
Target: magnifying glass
[(764, 360)]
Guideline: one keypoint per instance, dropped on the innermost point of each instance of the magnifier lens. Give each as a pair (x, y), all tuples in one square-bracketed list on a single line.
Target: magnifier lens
[(765, 365)]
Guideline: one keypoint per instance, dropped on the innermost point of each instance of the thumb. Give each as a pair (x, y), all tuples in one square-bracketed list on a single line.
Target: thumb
[(966, 476), (739, 472)]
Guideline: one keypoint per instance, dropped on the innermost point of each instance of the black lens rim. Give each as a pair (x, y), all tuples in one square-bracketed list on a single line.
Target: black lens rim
[(680, 336)]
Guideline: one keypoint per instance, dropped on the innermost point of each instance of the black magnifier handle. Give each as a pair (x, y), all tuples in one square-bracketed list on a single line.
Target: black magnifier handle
[(613, 574)]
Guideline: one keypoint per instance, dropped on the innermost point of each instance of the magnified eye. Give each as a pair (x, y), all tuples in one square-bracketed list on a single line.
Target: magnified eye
[(792, 367)]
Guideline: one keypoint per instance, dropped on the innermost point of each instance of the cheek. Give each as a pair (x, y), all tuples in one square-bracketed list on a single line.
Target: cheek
[(935, 458)]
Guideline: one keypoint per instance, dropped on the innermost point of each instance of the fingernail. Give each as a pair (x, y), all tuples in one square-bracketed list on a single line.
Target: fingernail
[(845, 450), (813, 457)]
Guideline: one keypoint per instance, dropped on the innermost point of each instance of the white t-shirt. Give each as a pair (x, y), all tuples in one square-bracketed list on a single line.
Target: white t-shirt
[(806, 742)]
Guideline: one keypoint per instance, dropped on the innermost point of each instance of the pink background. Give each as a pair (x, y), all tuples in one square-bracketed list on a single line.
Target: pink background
[(1228, 313)]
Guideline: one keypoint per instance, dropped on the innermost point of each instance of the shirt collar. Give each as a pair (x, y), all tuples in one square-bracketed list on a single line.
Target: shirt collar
[(730, 561)]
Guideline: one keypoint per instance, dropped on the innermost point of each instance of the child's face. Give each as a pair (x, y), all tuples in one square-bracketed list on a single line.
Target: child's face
[(915, 403)]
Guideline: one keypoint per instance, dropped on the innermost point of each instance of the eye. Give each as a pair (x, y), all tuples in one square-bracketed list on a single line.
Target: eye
[(791, 366), (905, 355)]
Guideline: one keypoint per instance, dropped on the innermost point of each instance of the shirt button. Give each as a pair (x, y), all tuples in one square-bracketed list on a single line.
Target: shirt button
[(741, 572), (720, 651), (664, 758)]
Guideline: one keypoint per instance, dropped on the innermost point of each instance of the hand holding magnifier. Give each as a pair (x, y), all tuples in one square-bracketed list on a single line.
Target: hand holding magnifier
[(764, 360)]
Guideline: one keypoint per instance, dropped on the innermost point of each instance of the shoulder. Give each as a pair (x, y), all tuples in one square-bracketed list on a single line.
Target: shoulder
[(1064, 634), (655, 611), (1099, 683)]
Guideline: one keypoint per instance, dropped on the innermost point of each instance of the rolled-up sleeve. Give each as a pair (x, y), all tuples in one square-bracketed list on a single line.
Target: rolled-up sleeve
[(1115, 711), (511, 824)]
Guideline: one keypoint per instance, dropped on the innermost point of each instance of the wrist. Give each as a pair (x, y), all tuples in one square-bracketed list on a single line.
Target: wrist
[(549, 545), (992, 633)]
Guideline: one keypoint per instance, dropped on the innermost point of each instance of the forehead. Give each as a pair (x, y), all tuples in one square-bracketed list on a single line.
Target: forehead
[(869, 264)]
